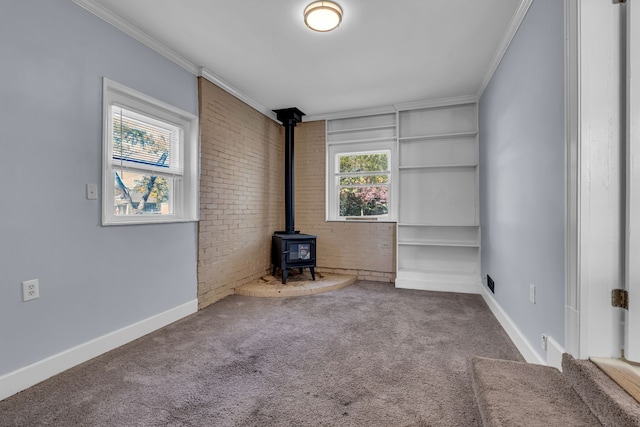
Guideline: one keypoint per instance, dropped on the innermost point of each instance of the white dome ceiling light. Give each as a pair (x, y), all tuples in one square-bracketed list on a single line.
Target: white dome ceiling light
[(322, 16)]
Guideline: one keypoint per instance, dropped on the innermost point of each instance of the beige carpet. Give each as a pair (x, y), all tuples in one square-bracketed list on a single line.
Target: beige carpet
[(364, 355), (520, 394), (608, 401)]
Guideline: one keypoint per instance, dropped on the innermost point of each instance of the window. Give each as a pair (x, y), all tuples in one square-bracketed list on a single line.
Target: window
[(363, 182), (150, 159), (360, 181)]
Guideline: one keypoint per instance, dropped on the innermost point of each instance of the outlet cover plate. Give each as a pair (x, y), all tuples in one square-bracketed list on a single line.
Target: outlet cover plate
[(30, 290)]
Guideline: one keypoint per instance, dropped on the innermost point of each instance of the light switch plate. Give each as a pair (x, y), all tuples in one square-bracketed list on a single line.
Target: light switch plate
[(532, 293), (92, 192)]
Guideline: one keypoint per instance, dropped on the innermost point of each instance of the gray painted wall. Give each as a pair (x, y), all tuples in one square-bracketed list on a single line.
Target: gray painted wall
[(93, 279), (522, 175)]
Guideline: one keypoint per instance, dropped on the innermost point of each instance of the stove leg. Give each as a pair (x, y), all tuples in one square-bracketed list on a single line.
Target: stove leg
[(313, 272), (285, 274)]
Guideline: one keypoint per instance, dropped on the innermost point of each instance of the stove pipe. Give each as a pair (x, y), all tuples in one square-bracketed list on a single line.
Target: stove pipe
[(289, 117)]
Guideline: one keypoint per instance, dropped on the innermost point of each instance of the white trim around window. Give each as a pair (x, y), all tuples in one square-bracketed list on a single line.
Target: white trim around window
[(150, 159), (334, 152)]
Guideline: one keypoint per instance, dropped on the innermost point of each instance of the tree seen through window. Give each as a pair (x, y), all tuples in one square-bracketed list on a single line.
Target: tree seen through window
[(364, 184)]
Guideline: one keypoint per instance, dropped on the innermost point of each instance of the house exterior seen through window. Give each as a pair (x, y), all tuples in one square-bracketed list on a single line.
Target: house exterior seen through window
[(153, 148)]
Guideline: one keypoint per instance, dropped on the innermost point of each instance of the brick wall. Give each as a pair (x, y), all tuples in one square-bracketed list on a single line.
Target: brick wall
[(241, 200), (365, 249)]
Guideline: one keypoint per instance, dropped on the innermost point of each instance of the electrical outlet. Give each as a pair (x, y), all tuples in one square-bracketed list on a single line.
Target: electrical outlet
[(544, 341), (30, 289), (532, 293)]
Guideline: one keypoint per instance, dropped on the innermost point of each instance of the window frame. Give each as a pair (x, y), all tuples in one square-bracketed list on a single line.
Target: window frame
[(333, 186), (184, 191)]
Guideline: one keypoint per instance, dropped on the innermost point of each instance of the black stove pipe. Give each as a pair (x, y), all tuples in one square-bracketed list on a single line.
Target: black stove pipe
[(289, 204), (289, 117)]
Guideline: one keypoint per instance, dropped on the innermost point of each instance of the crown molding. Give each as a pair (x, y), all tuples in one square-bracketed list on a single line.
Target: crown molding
[(203, 72), (516, 21), (142, 37)]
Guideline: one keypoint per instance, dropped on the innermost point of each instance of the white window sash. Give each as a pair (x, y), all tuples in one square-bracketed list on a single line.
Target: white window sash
[(334, 151), (183, 170)]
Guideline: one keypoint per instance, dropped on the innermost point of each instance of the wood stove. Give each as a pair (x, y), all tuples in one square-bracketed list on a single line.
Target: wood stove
[(289, 248), (293, 251)]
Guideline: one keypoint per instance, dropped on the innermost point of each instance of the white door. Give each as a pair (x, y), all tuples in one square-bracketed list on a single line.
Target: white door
[(632, 323)]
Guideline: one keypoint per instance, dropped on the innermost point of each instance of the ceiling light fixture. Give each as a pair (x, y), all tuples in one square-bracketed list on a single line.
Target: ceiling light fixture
[(322, 16)]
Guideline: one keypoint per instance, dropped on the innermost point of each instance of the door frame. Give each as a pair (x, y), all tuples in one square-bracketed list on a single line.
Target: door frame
[(632, 230), (594, 214)]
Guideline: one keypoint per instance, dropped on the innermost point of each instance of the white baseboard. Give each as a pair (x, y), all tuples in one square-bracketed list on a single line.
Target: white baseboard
[(572, 331), (554, 354), (521, 343), (28, 376), (424, 285)]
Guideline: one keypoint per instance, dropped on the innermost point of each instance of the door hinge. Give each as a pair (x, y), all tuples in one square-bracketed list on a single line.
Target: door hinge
[(619, 1), (620, 298)]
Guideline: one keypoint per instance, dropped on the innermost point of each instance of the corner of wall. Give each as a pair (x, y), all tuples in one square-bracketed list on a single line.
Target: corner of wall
[(241, 202)]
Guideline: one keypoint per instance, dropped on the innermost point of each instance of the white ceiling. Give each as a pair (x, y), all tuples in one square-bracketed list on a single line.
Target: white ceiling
[(384, 53)]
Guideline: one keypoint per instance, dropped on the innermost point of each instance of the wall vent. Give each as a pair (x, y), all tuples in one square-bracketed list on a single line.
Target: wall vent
[(490, 284)]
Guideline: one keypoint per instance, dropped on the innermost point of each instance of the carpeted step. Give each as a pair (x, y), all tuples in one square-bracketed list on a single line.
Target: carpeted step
[(521, 394), (607, 400)]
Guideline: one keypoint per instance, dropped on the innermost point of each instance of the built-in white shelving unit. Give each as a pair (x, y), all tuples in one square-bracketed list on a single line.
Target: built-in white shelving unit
[(438, 233), (380, 127)]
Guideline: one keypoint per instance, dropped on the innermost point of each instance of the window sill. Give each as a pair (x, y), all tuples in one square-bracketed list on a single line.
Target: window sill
[(142, 221), (358, 221)]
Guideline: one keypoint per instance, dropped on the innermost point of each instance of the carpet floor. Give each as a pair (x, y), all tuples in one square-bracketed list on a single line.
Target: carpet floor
[(517, 394), (365, 355)]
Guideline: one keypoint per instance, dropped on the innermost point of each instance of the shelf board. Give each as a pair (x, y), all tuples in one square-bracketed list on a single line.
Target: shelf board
[(352, 141), (441, 243), (437, 272), (406, 224), (441, 136), (381, 127), (469, 284), (460, 165)]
